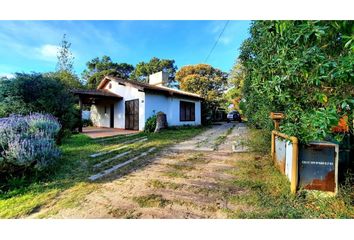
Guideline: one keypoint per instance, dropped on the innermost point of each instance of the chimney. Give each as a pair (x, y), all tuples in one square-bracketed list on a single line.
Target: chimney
[(159, 79)]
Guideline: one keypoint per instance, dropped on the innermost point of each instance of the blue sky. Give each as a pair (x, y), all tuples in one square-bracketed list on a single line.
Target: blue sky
[(32, 45)]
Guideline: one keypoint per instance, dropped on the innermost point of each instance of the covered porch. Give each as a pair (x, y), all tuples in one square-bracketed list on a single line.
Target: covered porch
[(97, 97), (101, 132)]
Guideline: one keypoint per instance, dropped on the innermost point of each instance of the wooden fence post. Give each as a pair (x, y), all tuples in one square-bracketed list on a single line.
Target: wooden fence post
[(80, 107)]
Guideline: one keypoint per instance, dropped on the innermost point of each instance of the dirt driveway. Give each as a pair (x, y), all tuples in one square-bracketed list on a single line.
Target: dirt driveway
[(189, 180)]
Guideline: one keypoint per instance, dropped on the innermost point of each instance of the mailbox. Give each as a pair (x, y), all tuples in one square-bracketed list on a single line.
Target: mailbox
[(276, 119)]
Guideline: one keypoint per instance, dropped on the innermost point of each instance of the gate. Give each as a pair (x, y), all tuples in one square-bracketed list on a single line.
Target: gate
[(285, 156)]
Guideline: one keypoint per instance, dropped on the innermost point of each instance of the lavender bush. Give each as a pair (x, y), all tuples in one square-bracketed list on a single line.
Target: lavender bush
[(28, 142)]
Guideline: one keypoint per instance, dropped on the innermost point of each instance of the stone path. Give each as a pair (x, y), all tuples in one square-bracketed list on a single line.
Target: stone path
[(205, 141), (120, 165), (188, 180), (102, 163), (106, 152)]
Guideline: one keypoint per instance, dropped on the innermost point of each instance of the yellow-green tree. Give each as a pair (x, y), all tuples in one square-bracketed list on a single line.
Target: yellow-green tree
[(236, 78), (205, 80)]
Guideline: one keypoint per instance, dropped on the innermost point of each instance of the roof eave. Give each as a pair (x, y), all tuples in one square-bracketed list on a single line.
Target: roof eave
[(106, 79), (103, 82)]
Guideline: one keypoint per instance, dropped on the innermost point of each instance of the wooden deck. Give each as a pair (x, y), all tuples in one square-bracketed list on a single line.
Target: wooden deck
[(100, 132)]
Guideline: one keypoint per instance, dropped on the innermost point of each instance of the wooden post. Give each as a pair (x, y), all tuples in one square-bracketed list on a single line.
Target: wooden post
[(276, 124), (273, 145), (80, 107), (294, 167)]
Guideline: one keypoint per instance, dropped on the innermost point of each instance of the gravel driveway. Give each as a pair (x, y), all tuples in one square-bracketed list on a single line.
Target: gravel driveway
[(189, 180)]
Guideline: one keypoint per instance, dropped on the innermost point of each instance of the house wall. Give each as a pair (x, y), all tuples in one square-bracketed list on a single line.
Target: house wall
[(171, 107), (149, 104), (128, 93), (98, 117)]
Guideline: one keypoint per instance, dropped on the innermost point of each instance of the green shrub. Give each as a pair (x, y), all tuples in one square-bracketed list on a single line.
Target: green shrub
[(36, 92), (150, 124), (301, 68), (87, 122)]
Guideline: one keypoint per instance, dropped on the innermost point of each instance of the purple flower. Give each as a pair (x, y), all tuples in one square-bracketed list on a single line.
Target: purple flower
[(28, 141)]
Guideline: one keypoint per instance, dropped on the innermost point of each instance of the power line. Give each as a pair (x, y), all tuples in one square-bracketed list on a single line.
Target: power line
[(217, 40)]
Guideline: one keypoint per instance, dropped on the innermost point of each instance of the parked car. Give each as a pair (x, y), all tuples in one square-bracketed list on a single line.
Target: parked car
[(234, 116)]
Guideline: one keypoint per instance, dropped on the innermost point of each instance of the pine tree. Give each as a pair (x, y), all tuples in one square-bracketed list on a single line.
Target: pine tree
[(65, 57), (65, 66)]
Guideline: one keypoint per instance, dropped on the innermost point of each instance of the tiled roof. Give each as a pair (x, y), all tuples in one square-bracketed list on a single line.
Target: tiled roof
[(147, 86)]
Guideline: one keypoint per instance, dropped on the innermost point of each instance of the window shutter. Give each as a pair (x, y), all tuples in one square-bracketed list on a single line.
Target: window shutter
[(187, 111)]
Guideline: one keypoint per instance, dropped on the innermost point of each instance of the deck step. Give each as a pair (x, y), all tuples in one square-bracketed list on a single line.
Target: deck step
[(111, 159), (116, 167)]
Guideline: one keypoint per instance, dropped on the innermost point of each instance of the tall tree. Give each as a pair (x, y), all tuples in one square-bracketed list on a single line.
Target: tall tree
[(65, 57), (98, 68), (205, 80), (65, 66), (144, 69)]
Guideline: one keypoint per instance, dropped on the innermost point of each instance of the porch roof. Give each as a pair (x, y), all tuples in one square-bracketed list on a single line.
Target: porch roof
[(89, 96)]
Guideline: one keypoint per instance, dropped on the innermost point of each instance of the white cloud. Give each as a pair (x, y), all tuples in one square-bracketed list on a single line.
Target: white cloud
[(8, 75), (38, 40), (48, 52), (225, 40)]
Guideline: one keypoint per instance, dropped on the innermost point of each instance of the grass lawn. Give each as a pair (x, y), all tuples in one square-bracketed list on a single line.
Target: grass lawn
[(266, 192), (66, 183)]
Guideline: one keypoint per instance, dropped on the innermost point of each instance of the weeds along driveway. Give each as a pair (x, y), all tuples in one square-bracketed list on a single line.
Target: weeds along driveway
[(192, 179), (198, 178)]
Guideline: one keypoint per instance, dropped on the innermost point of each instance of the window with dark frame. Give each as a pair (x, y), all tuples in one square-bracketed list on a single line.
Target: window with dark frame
[(186, 111)]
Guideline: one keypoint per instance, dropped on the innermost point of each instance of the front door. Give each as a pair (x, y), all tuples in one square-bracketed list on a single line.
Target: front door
[(111, 124), (132, 114)]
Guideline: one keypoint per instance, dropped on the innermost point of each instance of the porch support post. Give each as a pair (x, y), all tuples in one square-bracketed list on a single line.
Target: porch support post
[(80, 107)]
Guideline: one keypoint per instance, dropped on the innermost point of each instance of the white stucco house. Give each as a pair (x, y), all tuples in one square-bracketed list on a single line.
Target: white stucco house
[(127, 104)]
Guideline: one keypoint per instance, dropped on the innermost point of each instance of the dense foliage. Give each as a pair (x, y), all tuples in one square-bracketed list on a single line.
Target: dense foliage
[(150, 124), (28, 142), (68, 79), (35, 92), (304, 69), (98, 68), (205, 80), (144, 69)]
